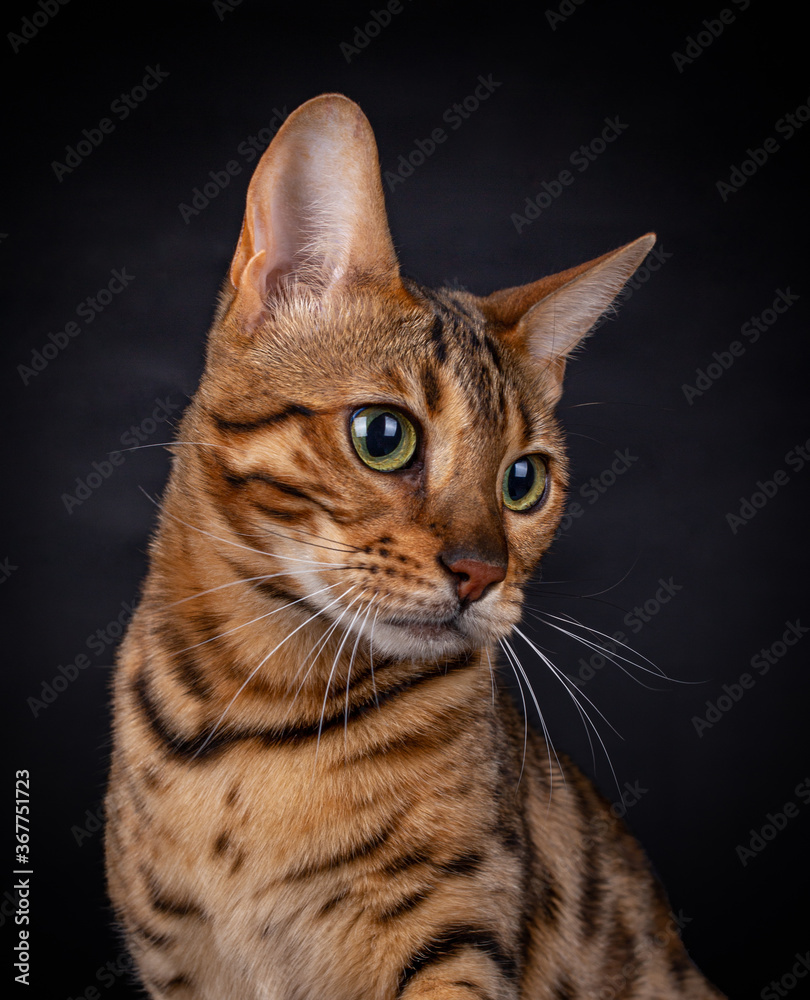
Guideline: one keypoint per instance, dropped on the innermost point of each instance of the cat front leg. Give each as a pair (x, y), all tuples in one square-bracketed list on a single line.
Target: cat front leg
[(461, 965)]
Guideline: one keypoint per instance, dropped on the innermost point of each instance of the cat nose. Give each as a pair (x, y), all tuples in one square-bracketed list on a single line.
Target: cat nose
[(474, 576)]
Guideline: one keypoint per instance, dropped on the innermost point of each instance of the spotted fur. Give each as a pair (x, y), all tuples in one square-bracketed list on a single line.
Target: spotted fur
[(318, 788)]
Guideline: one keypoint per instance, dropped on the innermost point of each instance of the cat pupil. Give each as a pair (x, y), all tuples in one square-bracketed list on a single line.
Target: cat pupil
[(521, 479), (383, 435)]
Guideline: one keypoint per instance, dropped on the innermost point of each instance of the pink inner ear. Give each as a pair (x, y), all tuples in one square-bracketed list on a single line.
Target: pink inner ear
[(550, 317), (315, 203)]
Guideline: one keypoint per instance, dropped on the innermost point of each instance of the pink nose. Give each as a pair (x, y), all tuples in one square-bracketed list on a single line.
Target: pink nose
[(474, 577)]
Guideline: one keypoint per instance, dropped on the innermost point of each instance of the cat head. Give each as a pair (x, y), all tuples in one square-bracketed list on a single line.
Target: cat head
[(391, 450)]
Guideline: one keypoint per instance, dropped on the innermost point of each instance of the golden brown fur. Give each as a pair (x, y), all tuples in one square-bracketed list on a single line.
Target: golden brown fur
[(317, 788)]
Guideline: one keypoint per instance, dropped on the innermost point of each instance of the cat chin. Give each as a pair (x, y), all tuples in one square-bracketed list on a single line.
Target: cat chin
[(420, 642), (425, 641)]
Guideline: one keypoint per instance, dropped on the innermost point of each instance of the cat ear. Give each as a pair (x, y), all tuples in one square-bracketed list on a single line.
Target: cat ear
[(315, 209), (550, 317)]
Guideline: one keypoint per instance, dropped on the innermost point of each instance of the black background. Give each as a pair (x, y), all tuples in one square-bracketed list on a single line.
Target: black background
[(70, 573)]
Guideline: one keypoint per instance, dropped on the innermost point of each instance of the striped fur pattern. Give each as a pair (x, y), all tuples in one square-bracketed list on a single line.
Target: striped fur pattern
[(318, 788)]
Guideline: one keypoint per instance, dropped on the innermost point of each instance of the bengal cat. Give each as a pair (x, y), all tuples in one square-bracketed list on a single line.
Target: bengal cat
[(318, 788)]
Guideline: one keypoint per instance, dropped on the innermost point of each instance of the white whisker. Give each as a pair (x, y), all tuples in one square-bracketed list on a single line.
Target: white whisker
[(349, 674), (164, 444), (222, 586), (657, 671), (525, 714), (238, 545), (335, 547), (491, 675), (603, 652), (313, 654), (332, 674), (371, 659), (258, 667), (549, 742), (572, 690), (573, 621), (259, 618)]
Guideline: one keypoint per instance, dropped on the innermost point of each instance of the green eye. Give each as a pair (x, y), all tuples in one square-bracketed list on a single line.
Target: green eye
[(524, 482), (383, 438)]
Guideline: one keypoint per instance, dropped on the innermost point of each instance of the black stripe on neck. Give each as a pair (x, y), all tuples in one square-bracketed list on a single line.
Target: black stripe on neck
[(207, 743)]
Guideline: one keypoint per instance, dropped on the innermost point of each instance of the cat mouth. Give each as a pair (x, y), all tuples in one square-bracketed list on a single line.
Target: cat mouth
[(432, 630), (441, 630), (423, 636)]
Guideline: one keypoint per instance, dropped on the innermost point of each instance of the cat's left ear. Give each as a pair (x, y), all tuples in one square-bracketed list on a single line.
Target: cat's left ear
[(550, 317), (315, 213)]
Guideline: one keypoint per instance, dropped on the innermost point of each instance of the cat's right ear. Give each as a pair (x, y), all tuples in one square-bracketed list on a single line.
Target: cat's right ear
[(315, 211)]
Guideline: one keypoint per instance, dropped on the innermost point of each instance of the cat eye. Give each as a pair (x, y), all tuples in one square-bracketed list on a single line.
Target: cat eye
[(524, 482), (383, 438)]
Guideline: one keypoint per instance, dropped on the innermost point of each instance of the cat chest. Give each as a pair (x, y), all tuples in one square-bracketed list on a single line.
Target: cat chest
[(286, 815), (269, 850)]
